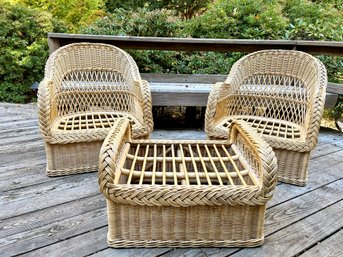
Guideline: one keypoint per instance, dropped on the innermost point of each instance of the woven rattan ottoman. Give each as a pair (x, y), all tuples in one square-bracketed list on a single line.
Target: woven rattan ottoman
[(165, 193)]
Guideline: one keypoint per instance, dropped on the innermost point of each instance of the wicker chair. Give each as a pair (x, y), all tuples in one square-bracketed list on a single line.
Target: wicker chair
[(280, 93), (85, 88)]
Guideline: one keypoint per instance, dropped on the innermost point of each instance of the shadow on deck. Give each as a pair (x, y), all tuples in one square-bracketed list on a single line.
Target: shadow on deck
[(66, 216)]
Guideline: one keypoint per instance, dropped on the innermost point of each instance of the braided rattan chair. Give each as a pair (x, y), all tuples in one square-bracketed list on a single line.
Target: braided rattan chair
[(85, 88), (281, 93)]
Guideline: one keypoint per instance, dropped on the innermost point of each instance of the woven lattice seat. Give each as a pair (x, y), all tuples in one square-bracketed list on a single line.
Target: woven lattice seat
[(270, 127), (281, 94), (186, 193), (91, 125), (85, 88)]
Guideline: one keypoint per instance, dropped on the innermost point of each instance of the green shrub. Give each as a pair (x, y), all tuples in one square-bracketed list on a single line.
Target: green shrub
[(23, 50), (186, 9), (73, 13), (160, 23), (319, 20), (140, 22), (337, 112), (249, 19)]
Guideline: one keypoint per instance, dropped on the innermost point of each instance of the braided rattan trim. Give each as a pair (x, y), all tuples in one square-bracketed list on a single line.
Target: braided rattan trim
[(184, 196), (318, 106), (43, 103), (147, 107), (263, 151), (211, 107), (113, 142), (184, 243), (293, 181), (71, 171), (175, 195)]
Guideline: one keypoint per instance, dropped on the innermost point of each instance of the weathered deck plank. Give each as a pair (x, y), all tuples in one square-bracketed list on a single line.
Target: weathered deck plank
[(66, 216), (81, 245), (139, 252), (330, 247), (301, 235), (36, 238), (55, 192), (280, 216), (42, 217)]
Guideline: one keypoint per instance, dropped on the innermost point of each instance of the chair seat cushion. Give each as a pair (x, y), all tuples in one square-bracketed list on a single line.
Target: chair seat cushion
[(87, 127)]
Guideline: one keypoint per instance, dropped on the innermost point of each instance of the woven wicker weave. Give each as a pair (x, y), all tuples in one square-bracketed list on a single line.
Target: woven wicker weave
[(85, 89), (165, 193), (280, 93)]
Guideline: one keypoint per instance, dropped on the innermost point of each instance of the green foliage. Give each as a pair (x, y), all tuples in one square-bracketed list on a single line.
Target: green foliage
[(141, 22), (257, 19), (73, 13), (249, 19), (159, 23), (23, 50), (184, 62), (318, 20), (112, 5), (186, 9), (336, 112), (334, 67)]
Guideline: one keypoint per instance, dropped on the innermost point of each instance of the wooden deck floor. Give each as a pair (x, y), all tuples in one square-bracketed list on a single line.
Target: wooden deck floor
[(66, 216)]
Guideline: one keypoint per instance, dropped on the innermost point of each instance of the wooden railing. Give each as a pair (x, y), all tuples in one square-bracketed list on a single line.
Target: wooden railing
[(190, 89), (57, 40)]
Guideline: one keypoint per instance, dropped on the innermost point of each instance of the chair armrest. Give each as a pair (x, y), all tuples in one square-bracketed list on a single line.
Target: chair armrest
[(115, 140), (44, 108), (258, 153), (317, 110), (148, 122), (211, 109)]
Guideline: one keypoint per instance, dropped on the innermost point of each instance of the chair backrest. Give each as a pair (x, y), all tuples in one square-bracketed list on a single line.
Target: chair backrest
[(93, 77), (279, 84)]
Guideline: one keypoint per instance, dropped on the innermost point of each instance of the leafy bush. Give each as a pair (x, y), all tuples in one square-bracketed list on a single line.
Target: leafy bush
[(23, 50), (186, 9), (337, 112), (160, 23), (140, 22), (318, 20), (258, 19), (73, 13)]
